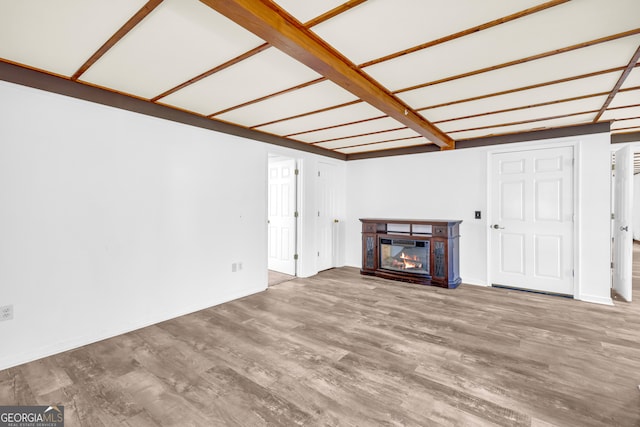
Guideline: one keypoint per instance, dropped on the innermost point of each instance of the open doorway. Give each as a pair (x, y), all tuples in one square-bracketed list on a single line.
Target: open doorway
[(625, 230), (282, 218)]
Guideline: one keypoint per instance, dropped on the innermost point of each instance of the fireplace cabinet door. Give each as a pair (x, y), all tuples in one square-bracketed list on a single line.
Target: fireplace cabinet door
[(439, 255), (369, 252)]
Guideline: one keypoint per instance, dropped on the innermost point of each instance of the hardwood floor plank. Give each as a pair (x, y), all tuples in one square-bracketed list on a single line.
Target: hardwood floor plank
[(341, 349)]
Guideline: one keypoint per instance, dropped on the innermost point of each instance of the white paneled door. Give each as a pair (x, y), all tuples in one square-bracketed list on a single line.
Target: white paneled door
[(327, 221), (282, 215), (622, 232), (531, 222)]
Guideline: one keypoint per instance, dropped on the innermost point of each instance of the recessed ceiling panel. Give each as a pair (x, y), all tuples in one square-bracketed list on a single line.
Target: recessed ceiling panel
[(621, 113), (378, 28), (384, 146), (633, 79), (582, 105), (578, 62), (380, 137), (336, 116), (178, 41), (304, 100), (631, 130), (265, 73), (625, 124), (525, 127), (534, 34), (305, 11), (59, 36), (370, 126), (597, 84), (630, 97)]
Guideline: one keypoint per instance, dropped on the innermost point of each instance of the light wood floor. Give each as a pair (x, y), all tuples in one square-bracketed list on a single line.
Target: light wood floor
[(343, 349), (275, 277)]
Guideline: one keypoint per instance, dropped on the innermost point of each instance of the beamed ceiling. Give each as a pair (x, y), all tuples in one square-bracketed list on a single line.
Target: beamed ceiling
[(350, 77)]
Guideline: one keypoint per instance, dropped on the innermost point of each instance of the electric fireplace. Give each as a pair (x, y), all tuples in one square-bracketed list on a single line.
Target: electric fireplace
[(410, 256), (418, 251)]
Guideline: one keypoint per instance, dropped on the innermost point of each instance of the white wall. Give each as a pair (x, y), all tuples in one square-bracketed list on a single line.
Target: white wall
[(453, 184), (111, 220)]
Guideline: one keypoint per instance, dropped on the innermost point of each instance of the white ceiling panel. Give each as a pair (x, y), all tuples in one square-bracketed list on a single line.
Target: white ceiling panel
[(268, 72), (610, 55), (181, 39), (59, 36), (377, 125), (581, 105), (511, 41), (336, 116), (597, 84), (383, 146), (633, 79), (357, 140), (636, 129), (305, 11), (311, 98), (378, 28), (543, 124), (631, 97), (621, 113), (625, 124)]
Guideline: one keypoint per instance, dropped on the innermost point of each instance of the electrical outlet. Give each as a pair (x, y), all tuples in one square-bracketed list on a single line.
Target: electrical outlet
[(6, 312), (239, 266), (234, 267)]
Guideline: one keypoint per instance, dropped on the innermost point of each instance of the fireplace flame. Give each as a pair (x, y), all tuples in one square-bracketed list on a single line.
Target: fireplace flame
[(410, 262)]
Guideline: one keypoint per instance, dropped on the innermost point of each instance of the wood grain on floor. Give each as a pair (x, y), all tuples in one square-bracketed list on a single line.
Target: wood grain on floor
[(343, 349)]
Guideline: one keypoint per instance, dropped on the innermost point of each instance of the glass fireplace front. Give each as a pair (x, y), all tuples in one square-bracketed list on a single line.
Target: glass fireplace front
[(408, 256)]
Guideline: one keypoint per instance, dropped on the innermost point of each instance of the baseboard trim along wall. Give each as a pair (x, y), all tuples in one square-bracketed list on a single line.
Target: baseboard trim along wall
[(16, 359)]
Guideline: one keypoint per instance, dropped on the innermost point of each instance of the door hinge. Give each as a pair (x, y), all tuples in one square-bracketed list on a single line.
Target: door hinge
[(318, 173), (296, 171), (573, 161), (295, 214), (611, 264), (613, 167), (295, 257), (573, 273), (318, 213), (318, 253)]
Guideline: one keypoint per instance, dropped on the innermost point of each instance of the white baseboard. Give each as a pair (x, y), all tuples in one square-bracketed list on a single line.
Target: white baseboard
[(12, 360), (595, 299)]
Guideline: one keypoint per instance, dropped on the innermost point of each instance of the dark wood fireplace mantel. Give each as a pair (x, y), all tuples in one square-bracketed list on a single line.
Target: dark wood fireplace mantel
[(412, 250)]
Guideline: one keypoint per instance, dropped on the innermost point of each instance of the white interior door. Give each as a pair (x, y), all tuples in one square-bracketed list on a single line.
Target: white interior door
[(326, 224), (532, 220), (282, 215), (622, 232)]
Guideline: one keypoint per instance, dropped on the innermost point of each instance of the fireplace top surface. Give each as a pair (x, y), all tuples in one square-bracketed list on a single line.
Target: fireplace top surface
[(411, 221)]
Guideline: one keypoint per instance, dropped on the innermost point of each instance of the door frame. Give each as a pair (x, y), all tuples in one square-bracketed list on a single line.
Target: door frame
[(576, 191), (296, 204)]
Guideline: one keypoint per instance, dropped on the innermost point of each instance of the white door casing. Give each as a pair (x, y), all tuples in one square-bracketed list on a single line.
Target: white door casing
[(326, 225), (282, 215), (622, 232), (532, 214)]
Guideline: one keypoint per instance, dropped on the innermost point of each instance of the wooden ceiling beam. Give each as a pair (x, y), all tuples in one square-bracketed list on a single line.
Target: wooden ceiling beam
[(324, 17), (278, 28), (123, 31), (632, 64)]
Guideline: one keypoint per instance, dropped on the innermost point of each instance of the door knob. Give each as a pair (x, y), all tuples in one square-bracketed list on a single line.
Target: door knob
[(625, 228), (497, 227)]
